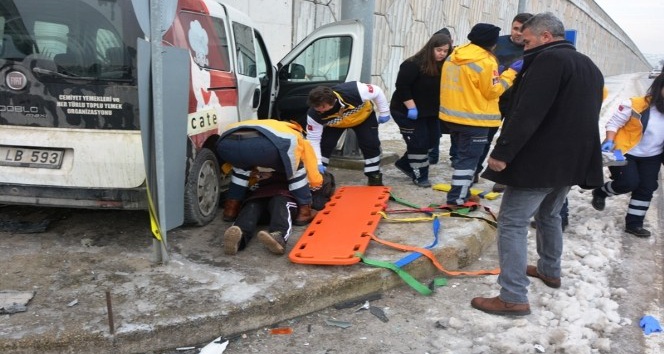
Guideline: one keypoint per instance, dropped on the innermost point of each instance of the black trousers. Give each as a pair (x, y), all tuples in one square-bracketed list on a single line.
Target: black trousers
[(277, 212), (367, 139)]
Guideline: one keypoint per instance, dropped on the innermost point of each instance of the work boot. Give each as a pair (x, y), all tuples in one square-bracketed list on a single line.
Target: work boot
[(496, 306), (423, 179), (274, 241), (403, 166), (599, 199), (231, 209), (232, 238), (304, 215), (637, 231), (375, 179)]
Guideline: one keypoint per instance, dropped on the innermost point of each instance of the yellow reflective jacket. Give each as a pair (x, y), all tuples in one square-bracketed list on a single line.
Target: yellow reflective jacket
[(630, 134), (288, 139), (470, 87)]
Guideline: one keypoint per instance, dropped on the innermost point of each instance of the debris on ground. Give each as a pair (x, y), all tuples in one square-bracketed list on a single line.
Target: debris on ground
[(341, 324), (12, 301), (217, 346), (281, 330), (378, 312), (358, 301)]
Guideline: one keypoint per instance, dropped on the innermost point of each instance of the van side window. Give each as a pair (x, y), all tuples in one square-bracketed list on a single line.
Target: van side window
[(327, 59), (221, 45), (245, 49), (208, 43)]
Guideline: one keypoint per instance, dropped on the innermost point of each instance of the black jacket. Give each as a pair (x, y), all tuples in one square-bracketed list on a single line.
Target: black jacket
[(551, 136), (413, 84)]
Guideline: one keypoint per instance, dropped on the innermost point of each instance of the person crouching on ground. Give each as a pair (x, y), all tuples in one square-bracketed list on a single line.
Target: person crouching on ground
[(637, 130), (348, 105), (273, 144)]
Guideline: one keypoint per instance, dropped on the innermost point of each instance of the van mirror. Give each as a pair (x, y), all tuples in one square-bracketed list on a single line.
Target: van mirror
[(297, 71)]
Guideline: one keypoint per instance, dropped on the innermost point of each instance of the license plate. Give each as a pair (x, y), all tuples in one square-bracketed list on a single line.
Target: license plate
[(33, 157)]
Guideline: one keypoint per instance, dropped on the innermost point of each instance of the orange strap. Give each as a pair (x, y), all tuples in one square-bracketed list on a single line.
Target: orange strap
[(433, 259)]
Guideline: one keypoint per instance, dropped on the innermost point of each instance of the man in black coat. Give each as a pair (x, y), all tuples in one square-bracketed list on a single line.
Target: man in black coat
[(549, 142)]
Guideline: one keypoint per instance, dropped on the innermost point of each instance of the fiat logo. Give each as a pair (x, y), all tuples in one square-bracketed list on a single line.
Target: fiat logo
[(16, 80)]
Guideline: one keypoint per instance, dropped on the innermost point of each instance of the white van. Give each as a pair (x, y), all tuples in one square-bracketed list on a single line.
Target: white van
[(70, 133)]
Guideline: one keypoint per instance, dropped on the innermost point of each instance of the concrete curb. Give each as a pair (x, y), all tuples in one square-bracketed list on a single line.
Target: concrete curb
[(341, 284)]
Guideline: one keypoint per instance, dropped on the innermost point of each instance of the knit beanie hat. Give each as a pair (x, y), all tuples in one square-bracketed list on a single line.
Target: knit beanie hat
[(484, 35)]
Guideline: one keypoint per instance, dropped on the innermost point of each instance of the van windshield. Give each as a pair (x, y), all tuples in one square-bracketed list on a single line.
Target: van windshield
[(82, 39)]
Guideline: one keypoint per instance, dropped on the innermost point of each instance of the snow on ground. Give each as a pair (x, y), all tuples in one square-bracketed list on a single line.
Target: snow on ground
[(584, 315)]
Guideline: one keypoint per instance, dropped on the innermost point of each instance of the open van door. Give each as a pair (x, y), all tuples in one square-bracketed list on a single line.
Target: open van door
[(330, 55)]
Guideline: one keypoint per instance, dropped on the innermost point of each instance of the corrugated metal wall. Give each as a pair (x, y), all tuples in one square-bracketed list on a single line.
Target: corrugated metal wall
[(401, 27)]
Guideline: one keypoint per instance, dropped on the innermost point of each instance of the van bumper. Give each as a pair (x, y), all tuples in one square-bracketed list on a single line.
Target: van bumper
[(130, 199)]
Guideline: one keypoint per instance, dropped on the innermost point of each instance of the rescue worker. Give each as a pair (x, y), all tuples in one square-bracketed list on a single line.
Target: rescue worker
[(635, 129), (469, 90), (274, 144), (348, 105)]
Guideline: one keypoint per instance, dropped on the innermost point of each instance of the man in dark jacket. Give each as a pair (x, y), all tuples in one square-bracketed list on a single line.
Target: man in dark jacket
[(549, 142)]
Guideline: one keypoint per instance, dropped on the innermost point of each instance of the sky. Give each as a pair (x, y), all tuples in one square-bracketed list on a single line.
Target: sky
[(640, 19)]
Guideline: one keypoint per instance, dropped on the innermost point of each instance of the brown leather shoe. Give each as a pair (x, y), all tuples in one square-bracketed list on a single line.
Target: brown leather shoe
[(231, 209), (304, 215), (496, 306), (531, 271)]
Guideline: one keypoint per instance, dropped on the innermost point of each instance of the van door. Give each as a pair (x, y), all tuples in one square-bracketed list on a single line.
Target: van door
[(330, 55)]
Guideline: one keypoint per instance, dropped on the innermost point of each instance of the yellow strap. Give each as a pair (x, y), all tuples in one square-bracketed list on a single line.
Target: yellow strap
[(429, 217), (154, 223), (444, 187)]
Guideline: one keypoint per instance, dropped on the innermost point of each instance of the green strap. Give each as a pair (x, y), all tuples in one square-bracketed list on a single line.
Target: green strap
[(437, 282), (414, 283), (403, 202)]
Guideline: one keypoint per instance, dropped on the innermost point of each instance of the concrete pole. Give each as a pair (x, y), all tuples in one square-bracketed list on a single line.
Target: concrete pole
[(522, 6), (364, 11), (160, 255)]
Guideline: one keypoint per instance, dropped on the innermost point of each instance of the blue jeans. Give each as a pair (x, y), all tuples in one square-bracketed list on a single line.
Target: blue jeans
[(517, 207)]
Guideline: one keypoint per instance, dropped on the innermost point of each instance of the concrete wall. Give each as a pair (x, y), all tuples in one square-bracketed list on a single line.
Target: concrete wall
[(401, 27)]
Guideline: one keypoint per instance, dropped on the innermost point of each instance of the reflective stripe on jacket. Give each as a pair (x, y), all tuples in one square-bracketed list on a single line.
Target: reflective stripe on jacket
[(288, 139), (470, 87)]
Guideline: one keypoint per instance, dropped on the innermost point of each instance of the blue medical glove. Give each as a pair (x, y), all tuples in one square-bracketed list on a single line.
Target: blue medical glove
[(383, 119), (321, 169), (412, 113), (649, 325), (608, 145), (517, 65)]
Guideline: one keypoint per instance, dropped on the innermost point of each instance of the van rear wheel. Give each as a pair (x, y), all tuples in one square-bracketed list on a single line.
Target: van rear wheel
[(202, 190)]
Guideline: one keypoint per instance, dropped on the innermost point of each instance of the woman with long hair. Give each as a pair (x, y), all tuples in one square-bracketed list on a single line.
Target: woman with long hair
[(637, 130), (414, 106)]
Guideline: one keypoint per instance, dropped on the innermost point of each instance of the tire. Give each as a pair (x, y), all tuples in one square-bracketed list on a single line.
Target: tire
[(202, 189)]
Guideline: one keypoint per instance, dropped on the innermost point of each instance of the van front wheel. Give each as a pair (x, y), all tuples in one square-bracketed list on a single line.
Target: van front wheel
[(201, 195)]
